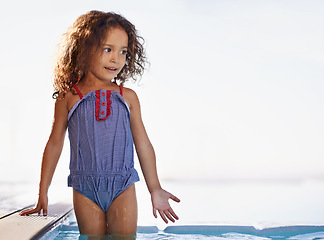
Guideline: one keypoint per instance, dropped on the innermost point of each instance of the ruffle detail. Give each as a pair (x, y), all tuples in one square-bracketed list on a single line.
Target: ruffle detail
[(92, 94), (103, 104), (104, 182)]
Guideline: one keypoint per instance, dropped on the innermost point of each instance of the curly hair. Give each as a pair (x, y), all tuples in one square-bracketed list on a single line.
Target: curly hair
[(87, 34)]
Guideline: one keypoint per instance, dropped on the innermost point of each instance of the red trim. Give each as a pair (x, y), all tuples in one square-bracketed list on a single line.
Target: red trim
[(78, 91), (97, 104), (108, 103), (121, 90), (108, 110)]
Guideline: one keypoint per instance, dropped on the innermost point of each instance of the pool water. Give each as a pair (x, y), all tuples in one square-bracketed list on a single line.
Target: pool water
[(68, 230), (74, 235), (70, 235)]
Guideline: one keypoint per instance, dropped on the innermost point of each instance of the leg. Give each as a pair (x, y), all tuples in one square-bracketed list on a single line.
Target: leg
[(122, 214), (90, 217)]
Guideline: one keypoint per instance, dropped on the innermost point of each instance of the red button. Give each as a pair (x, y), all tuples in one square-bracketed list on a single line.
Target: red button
[(103, 94), (102, 112), (103, 104)]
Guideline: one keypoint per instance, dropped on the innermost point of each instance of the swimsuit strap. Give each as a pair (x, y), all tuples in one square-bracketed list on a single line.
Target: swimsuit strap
[(78, 91), (81, 96), (121, 90)]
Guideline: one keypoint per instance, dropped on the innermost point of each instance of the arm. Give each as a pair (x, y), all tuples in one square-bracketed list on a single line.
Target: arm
[(147, 161), (51, 156)]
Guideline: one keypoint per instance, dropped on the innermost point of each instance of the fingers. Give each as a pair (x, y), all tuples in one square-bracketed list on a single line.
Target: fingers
[(45, 211), (154, 212), (163, 216), (34, 210), (173, 214), (29, 211), (160, 200), (168, 214), (174, 198)]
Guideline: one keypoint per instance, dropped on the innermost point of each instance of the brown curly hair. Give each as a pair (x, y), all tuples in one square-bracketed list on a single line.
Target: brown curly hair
[(87, 34)]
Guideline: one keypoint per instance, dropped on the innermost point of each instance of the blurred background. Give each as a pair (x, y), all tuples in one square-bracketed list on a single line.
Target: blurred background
[(232, 101)]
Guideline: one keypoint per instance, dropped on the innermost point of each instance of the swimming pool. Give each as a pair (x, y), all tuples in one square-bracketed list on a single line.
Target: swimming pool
[(68, 230), (234, 204)]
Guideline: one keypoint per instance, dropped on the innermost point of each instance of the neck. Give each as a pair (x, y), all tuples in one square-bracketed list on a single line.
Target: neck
[(90, 80)]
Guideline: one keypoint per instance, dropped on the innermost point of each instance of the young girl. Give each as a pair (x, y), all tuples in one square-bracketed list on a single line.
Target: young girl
[(103, 121)]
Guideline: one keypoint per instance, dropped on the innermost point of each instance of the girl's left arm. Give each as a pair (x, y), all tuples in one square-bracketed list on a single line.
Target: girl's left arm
[(145, 152)]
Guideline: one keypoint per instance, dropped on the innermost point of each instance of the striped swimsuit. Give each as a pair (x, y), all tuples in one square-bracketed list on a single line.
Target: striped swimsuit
[(101, 146)]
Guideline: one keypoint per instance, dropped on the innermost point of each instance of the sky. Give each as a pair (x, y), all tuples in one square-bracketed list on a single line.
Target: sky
[(234, 89)]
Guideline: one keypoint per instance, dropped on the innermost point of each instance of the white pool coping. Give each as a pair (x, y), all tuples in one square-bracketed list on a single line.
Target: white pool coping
[(14, 226)]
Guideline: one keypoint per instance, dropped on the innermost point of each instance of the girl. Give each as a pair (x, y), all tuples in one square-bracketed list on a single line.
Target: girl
[(103, 121)]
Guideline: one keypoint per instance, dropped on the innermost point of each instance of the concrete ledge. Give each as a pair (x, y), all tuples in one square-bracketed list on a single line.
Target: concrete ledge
[(14, 226)]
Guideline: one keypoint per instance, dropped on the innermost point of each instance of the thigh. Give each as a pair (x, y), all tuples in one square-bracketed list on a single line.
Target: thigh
[(122, 213), (90, 217)]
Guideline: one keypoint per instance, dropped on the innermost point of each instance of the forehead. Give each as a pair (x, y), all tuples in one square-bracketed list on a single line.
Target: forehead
[(116, 36)]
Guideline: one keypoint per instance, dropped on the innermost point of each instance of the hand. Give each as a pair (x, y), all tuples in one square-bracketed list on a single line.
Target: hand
[(160, 201), (41, 205)]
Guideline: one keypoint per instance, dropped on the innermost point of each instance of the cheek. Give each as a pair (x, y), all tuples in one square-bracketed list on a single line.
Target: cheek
[(122, 68), (123, 60), (92, 63)]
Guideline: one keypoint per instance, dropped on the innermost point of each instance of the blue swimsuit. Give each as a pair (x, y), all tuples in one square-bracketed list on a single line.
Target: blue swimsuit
[(102, 157)]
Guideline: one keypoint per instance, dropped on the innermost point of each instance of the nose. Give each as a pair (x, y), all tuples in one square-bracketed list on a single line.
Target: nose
[(114, 57)]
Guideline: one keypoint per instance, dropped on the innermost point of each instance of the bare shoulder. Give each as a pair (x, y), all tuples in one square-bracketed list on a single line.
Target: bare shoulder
[(61, 103), (70, 99), (129, 92), (61, 99), (131, 98), (60, 119)]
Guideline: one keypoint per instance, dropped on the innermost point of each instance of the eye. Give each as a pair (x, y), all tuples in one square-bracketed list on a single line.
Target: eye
[(124, 52), (107, 50)]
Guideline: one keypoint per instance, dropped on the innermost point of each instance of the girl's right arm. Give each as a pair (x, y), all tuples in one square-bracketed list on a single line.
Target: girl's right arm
[(51, 156)]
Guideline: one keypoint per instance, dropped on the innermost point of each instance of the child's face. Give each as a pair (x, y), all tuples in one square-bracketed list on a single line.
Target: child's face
[(111, 56)]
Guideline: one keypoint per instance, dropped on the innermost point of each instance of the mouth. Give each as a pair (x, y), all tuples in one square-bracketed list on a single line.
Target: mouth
[(111, 69)]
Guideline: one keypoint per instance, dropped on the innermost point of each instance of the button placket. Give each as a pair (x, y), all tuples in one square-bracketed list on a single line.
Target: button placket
[(103, 104)]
